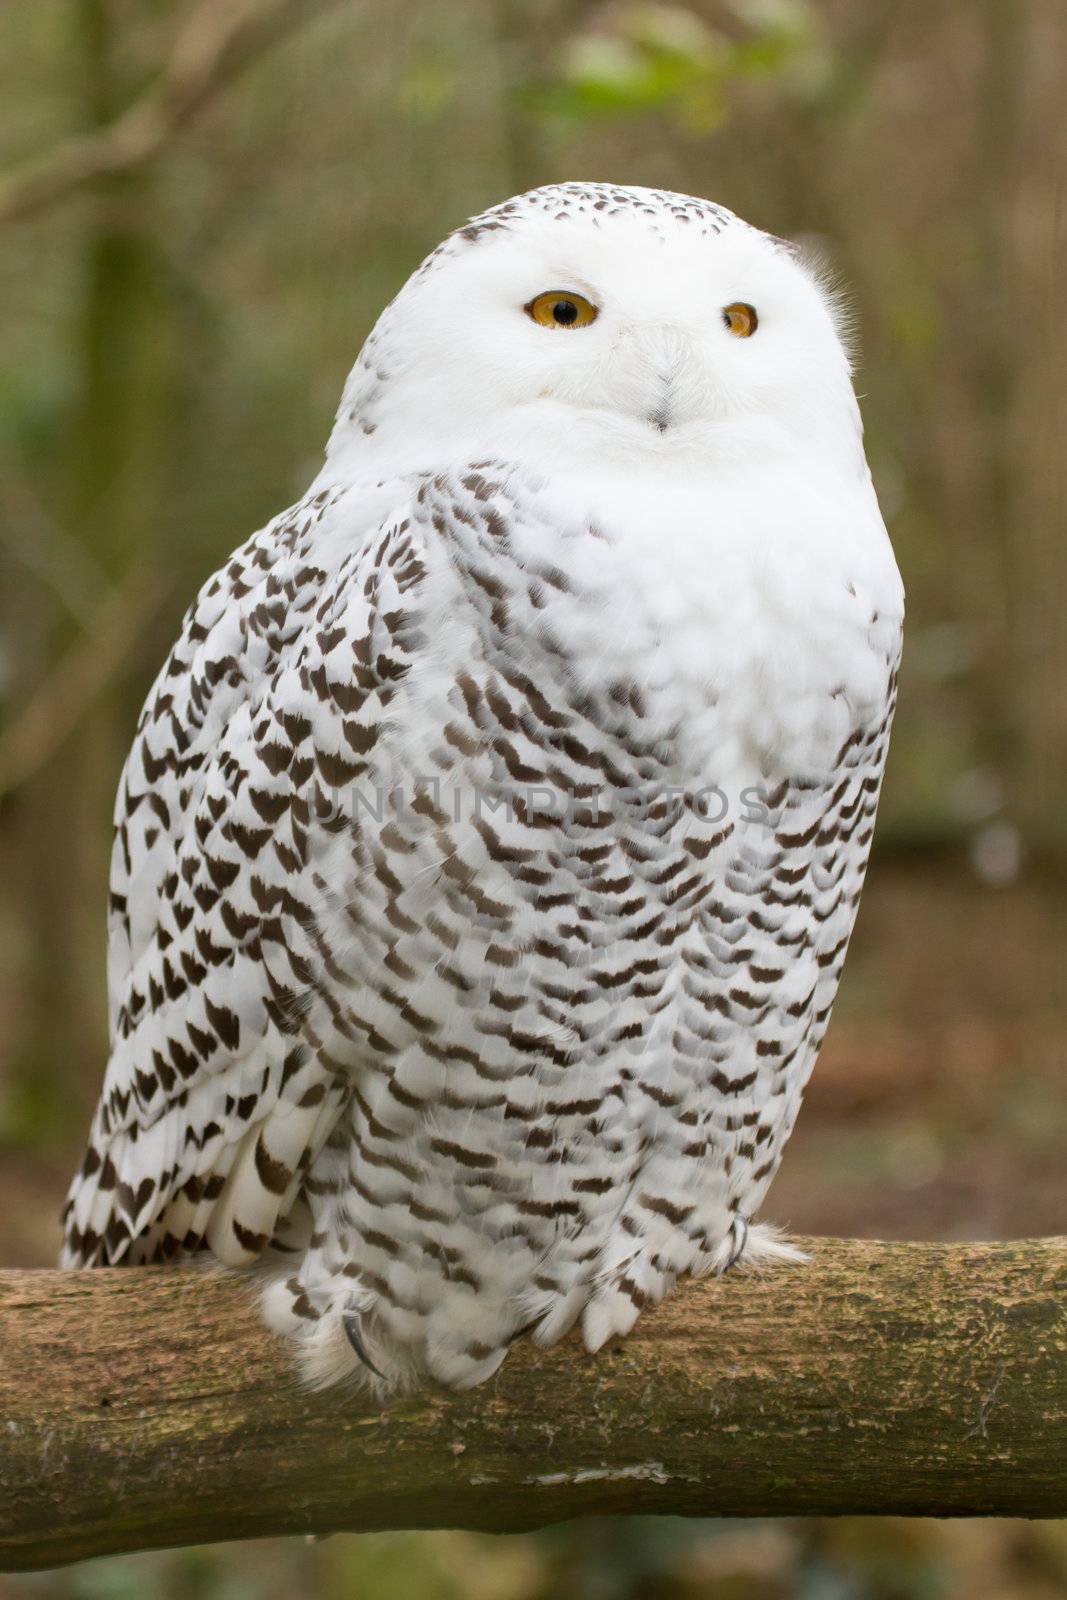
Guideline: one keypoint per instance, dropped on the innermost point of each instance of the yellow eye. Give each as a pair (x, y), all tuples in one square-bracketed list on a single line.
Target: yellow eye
[(741, 319), (561, 308)]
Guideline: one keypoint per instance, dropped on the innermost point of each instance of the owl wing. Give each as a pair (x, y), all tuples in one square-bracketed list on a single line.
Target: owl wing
[(798, 919), (213, 1104)]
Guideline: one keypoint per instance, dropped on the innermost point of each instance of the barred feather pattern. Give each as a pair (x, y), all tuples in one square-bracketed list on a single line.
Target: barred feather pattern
[(490, 843), (501, 1067)]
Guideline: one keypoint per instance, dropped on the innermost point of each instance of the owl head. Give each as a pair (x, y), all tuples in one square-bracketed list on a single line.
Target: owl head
[(629, 323)]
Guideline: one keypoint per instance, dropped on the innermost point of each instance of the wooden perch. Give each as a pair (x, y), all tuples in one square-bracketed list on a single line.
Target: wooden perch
[(147, 1407)]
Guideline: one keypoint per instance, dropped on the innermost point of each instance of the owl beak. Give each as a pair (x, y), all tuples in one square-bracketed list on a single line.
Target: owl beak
[(663, 353)]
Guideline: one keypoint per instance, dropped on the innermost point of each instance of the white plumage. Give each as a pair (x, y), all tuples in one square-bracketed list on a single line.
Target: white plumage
[(490, 843)]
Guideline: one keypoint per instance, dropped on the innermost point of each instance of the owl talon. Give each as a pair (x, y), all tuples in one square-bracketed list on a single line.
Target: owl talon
[(353, 1327), (739, 1235)]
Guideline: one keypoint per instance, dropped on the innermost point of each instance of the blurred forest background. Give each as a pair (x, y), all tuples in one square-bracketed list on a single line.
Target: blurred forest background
[(205, 207)]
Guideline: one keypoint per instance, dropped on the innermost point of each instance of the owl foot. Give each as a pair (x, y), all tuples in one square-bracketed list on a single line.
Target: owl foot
[(353, 1326), (738, 1239)]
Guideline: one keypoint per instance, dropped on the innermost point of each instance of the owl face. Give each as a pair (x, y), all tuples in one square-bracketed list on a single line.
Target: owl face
[(651, 325)]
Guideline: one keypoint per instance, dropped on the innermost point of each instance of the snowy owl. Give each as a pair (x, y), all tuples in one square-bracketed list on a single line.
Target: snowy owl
[(491, 840)]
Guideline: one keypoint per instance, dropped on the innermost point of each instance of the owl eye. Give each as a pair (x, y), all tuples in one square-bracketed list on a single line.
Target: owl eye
[(741, 319), (561, 308)]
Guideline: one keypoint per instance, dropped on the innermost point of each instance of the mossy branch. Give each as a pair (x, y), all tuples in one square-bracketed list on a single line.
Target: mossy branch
[(146, 1408)]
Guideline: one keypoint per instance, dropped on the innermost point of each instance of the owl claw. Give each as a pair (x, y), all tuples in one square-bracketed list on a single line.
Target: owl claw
[(739, 1235), (353, 1327)]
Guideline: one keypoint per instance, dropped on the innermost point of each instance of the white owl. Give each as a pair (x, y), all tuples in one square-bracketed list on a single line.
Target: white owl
[(490, 843)]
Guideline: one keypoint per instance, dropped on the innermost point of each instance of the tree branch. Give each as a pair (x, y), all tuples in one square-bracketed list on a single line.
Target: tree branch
[(79, 677), (219, 40), (141, 1408)]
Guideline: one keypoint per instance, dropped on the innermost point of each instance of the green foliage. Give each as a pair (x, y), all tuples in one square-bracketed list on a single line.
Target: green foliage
[(650, 58)]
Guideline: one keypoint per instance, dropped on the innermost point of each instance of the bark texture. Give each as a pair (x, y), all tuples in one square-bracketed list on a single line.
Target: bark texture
[(145, 1408)]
